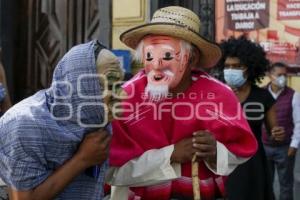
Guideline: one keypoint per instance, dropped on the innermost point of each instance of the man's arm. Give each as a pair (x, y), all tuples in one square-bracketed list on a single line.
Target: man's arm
[(214, 154), (92, 151), (226, 161), (296, 120), (152, 167), (161, 169), (277, 132), (165, 163)]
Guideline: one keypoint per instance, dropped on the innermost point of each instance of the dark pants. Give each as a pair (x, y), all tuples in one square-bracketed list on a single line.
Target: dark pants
[(278, 158), (297, 176)]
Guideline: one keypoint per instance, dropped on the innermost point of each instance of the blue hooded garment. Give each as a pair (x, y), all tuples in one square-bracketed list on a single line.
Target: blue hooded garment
[(43, 131)]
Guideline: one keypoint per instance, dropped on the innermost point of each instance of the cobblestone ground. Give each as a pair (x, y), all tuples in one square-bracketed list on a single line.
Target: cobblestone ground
[(3, 193)]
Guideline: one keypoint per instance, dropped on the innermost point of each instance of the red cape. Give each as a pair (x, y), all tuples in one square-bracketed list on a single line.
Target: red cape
[(208, 104)]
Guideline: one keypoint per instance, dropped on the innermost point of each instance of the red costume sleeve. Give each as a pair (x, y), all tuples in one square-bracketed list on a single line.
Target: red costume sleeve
[(217, 110)]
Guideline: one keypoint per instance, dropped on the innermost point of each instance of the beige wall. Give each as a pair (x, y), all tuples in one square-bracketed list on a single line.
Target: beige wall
[(293, 82), (126, 14)]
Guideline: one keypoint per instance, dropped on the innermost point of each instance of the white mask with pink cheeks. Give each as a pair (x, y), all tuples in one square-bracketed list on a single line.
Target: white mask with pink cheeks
[(164, 63)]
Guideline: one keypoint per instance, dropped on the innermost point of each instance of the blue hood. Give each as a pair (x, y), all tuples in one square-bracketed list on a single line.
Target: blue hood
[(44, 130)]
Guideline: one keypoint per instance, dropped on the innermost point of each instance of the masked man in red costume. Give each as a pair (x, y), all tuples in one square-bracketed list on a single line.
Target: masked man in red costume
[(172, 112)]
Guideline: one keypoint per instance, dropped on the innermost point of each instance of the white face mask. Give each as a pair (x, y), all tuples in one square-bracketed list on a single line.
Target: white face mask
[(234, 77), (280, 81)]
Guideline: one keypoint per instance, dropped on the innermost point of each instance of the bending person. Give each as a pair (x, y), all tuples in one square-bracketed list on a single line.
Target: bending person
[(50, 140)]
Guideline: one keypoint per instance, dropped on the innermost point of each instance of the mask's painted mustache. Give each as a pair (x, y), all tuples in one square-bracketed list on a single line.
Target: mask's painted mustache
[(168, 73)]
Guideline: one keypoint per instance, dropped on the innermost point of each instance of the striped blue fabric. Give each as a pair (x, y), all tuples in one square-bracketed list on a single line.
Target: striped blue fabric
[(40, 133), (2, 92)]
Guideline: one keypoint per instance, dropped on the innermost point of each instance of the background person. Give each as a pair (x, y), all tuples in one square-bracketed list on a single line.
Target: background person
[(281, 153), (244, 63), (297, 176)]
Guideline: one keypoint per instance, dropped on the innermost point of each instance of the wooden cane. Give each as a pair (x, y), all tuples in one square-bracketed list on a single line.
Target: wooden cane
[(195, 178)]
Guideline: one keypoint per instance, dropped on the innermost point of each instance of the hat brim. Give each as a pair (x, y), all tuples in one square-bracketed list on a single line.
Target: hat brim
[(210, 52)]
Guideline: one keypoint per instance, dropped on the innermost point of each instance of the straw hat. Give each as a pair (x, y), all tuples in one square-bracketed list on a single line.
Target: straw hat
[(177, 22)]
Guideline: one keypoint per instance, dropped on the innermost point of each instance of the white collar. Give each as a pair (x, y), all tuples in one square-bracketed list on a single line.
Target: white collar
[(275, 95)]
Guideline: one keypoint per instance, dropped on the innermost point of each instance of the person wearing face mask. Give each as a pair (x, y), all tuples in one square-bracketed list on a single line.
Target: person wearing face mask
[(281, 153), (244, 63), (173, 113)]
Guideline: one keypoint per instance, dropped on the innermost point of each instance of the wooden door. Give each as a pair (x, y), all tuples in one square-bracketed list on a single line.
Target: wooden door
[(47, 29)]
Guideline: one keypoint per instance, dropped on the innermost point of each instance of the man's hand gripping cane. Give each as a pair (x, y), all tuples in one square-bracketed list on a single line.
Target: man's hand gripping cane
[(202, 146)]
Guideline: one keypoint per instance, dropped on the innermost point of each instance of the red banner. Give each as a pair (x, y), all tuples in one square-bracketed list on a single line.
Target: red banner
[(288, 10), (274, 24)]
